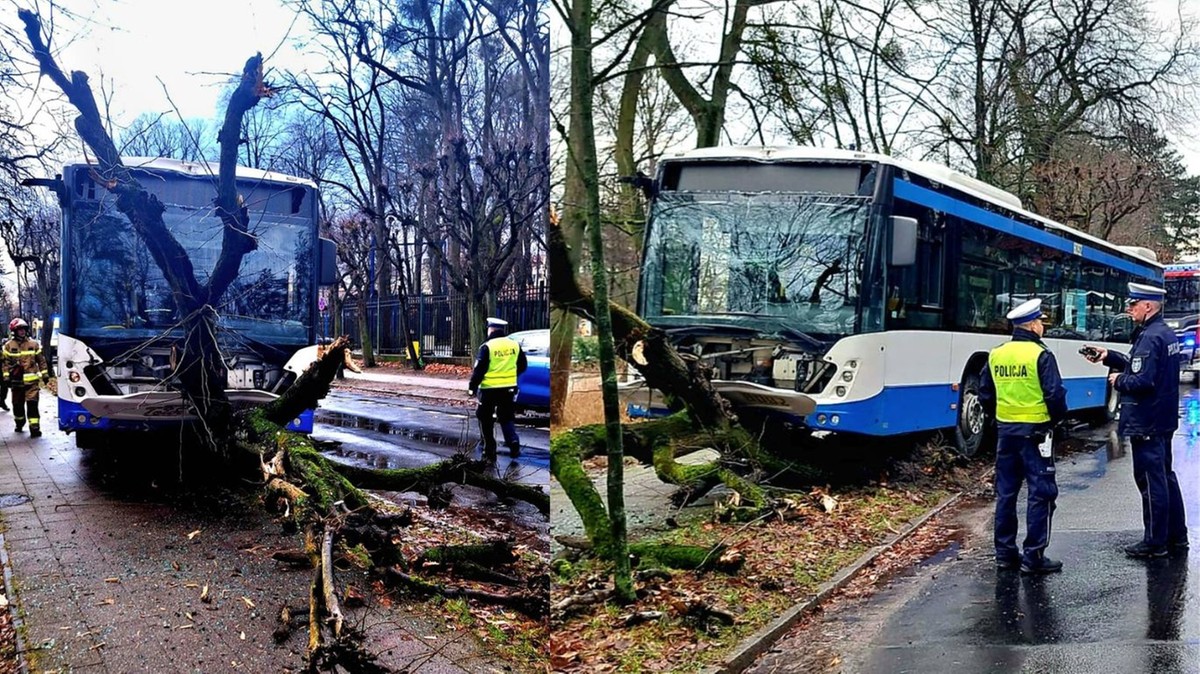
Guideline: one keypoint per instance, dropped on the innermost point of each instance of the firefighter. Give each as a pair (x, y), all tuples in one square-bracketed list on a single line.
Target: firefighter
[(23, 363), (1022, 388), (499, 361)]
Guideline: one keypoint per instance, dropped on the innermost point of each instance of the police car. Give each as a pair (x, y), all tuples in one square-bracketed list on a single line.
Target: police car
[(534, 383)]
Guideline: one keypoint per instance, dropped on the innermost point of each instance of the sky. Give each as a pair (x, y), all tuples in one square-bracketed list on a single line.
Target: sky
[(147, 49)]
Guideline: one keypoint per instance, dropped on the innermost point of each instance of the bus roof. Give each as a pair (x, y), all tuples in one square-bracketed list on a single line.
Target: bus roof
[(1180, 269), (201, 168), (936, 172)]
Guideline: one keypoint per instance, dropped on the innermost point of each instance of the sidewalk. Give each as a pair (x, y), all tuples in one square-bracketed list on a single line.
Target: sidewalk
[(110, 581)]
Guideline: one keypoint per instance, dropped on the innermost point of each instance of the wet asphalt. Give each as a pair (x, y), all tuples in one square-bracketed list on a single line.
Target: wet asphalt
[(382, 431), (1103, 613)]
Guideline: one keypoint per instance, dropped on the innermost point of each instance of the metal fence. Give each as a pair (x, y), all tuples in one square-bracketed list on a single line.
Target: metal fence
[(439, 322)]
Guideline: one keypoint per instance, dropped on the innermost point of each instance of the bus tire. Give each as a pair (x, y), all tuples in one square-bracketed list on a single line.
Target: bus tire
[(1106, 413), (974, 433)]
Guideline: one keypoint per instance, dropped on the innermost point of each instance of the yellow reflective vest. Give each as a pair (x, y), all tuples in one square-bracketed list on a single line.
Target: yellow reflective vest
[(1019, 397), (503, 354)]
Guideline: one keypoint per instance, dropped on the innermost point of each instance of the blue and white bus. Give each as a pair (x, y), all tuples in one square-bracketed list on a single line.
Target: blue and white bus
[(860, 293), (120, 328)]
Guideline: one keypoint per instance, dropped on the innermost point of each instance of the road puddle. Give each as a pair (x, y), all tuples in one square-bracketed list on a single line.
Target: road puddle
[(454, 435), (12, 500)]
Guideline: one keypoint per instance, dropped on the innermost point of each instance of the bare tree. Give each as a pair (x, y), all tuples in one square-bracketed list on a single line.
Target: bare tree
[(156, 135), (31, 234)]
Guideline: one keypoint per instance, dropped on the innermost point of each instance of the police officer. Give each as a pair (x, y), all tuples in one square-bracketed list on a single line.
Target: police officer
[(1148, 381), (497, 365), (23, 364), (1021, 387)]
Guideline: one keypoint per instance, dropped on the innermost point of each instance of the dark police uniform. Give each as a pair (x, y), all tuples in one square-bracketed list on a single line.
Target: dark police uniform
[(497, 365), (1149, 387), (1022, 388)]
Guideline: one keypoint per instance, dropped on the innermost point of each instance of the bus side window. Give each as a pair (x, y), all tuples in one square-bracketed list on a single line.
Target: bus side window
[(915, 296)]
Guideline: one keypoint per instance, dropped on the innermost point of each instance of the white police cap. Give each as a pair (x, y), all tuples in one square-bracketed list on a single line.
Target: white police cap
[(1139, 291), (1028, 311), (497, 323)]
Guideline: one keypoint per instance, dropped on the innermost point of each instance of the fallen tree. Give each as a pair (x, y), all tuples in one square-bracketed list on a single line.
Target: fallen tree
[(324, 500), (704, 420)]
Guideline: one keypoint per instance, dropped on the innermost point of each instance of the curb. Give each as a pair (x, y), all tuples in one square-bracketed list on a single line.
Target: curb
[(756, 644), (15, 613)]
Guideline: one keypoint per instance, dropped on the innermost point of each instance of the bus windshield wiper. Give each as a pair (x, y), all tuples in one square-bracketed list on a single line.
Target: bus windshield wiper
[(711, 327), (802, 336)]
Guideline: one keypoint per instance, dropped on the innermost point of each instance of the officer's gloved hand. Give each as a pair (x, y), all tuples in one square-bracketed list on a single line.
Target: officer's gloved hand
[(470, 390)]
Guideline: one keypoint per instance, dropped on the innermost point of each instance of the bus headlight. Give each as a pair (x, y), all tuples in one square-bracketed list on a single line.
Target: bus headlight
[(820, 418), (847, 376), (852, 364), (835, 420), (74, 377), (841, 390)]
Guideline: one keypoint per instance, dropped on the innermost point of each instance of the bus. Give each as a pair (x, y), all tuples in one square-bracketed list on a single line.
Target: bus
[(859, 293), (119, 328), (1181, 311)]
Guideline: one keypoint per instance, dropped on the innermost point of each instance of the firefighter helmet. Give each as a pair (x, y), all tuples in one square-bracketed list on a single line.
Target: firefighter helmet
[(17, 323)]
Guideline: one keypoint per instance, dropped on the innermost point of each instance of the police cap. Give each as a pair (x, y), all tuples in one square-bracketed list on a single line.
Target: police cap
[(1139, 291), (1027, 312)]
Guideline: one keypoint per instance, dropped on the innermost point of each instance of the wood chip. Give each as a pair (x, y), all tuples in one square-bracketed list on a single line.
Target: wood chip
[(204, 597), (249, 604), (193, 534)]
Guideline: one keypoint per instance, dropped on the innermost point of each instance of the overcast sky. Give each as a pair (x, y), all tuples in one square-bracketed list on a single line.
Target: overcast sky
[(193, 47)]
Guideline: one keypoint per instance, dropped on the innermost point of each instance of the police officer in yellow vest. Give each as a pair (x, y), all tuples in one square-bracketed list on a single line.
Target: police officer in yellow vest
[(497, 365), (1022, 388)]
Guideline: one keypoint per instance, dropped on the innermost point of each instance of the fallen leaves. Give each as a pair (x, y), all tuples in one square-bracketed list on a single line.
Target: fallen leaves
[(684, 619)]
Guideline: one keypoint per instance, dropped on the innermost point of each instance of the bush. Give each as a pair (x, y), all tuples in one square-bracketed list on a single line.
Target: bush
[(586, 350)]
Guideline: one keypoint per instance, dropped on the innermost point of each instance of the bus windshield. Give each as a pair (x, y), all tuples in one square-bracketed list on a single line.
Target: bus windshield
[(117, 290), (774, 263), (1183, 295)]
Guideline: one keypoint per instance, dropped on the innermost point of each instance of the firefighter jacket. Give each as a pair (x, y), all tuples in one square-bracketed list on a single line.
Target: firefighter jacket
[(23, 362)]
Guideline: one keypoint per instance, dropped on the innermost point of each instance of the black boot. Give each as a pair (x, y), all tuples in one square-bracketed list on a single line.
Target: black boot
[(35, 432), (514, 450), (20, 425)]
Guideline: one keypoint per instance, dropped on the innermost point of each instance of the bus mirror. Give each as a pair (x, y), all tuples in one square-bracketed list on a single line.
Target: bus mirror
[(327, 262), (904, 241), (55, 184)]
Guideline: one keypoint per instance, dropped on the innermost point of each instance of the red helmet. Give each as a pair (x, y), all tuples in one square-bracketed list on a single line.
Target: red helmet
[(16, 323)]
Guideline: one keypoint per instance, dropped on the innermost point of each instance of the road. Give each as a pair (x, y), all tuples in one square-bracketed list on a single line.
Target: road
[(1104, 612), (385, 431)]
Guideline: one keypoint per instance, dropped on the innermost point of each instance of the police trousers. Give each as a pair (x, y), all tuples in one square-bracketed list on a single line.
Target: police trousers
[(1017, 461), (1162, 503), (497, 403)]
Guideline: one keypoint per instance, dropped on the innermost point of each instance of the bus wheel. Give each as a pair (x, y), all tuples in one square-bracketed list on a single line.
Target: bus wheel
[(972, 433), (1107, 413)]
